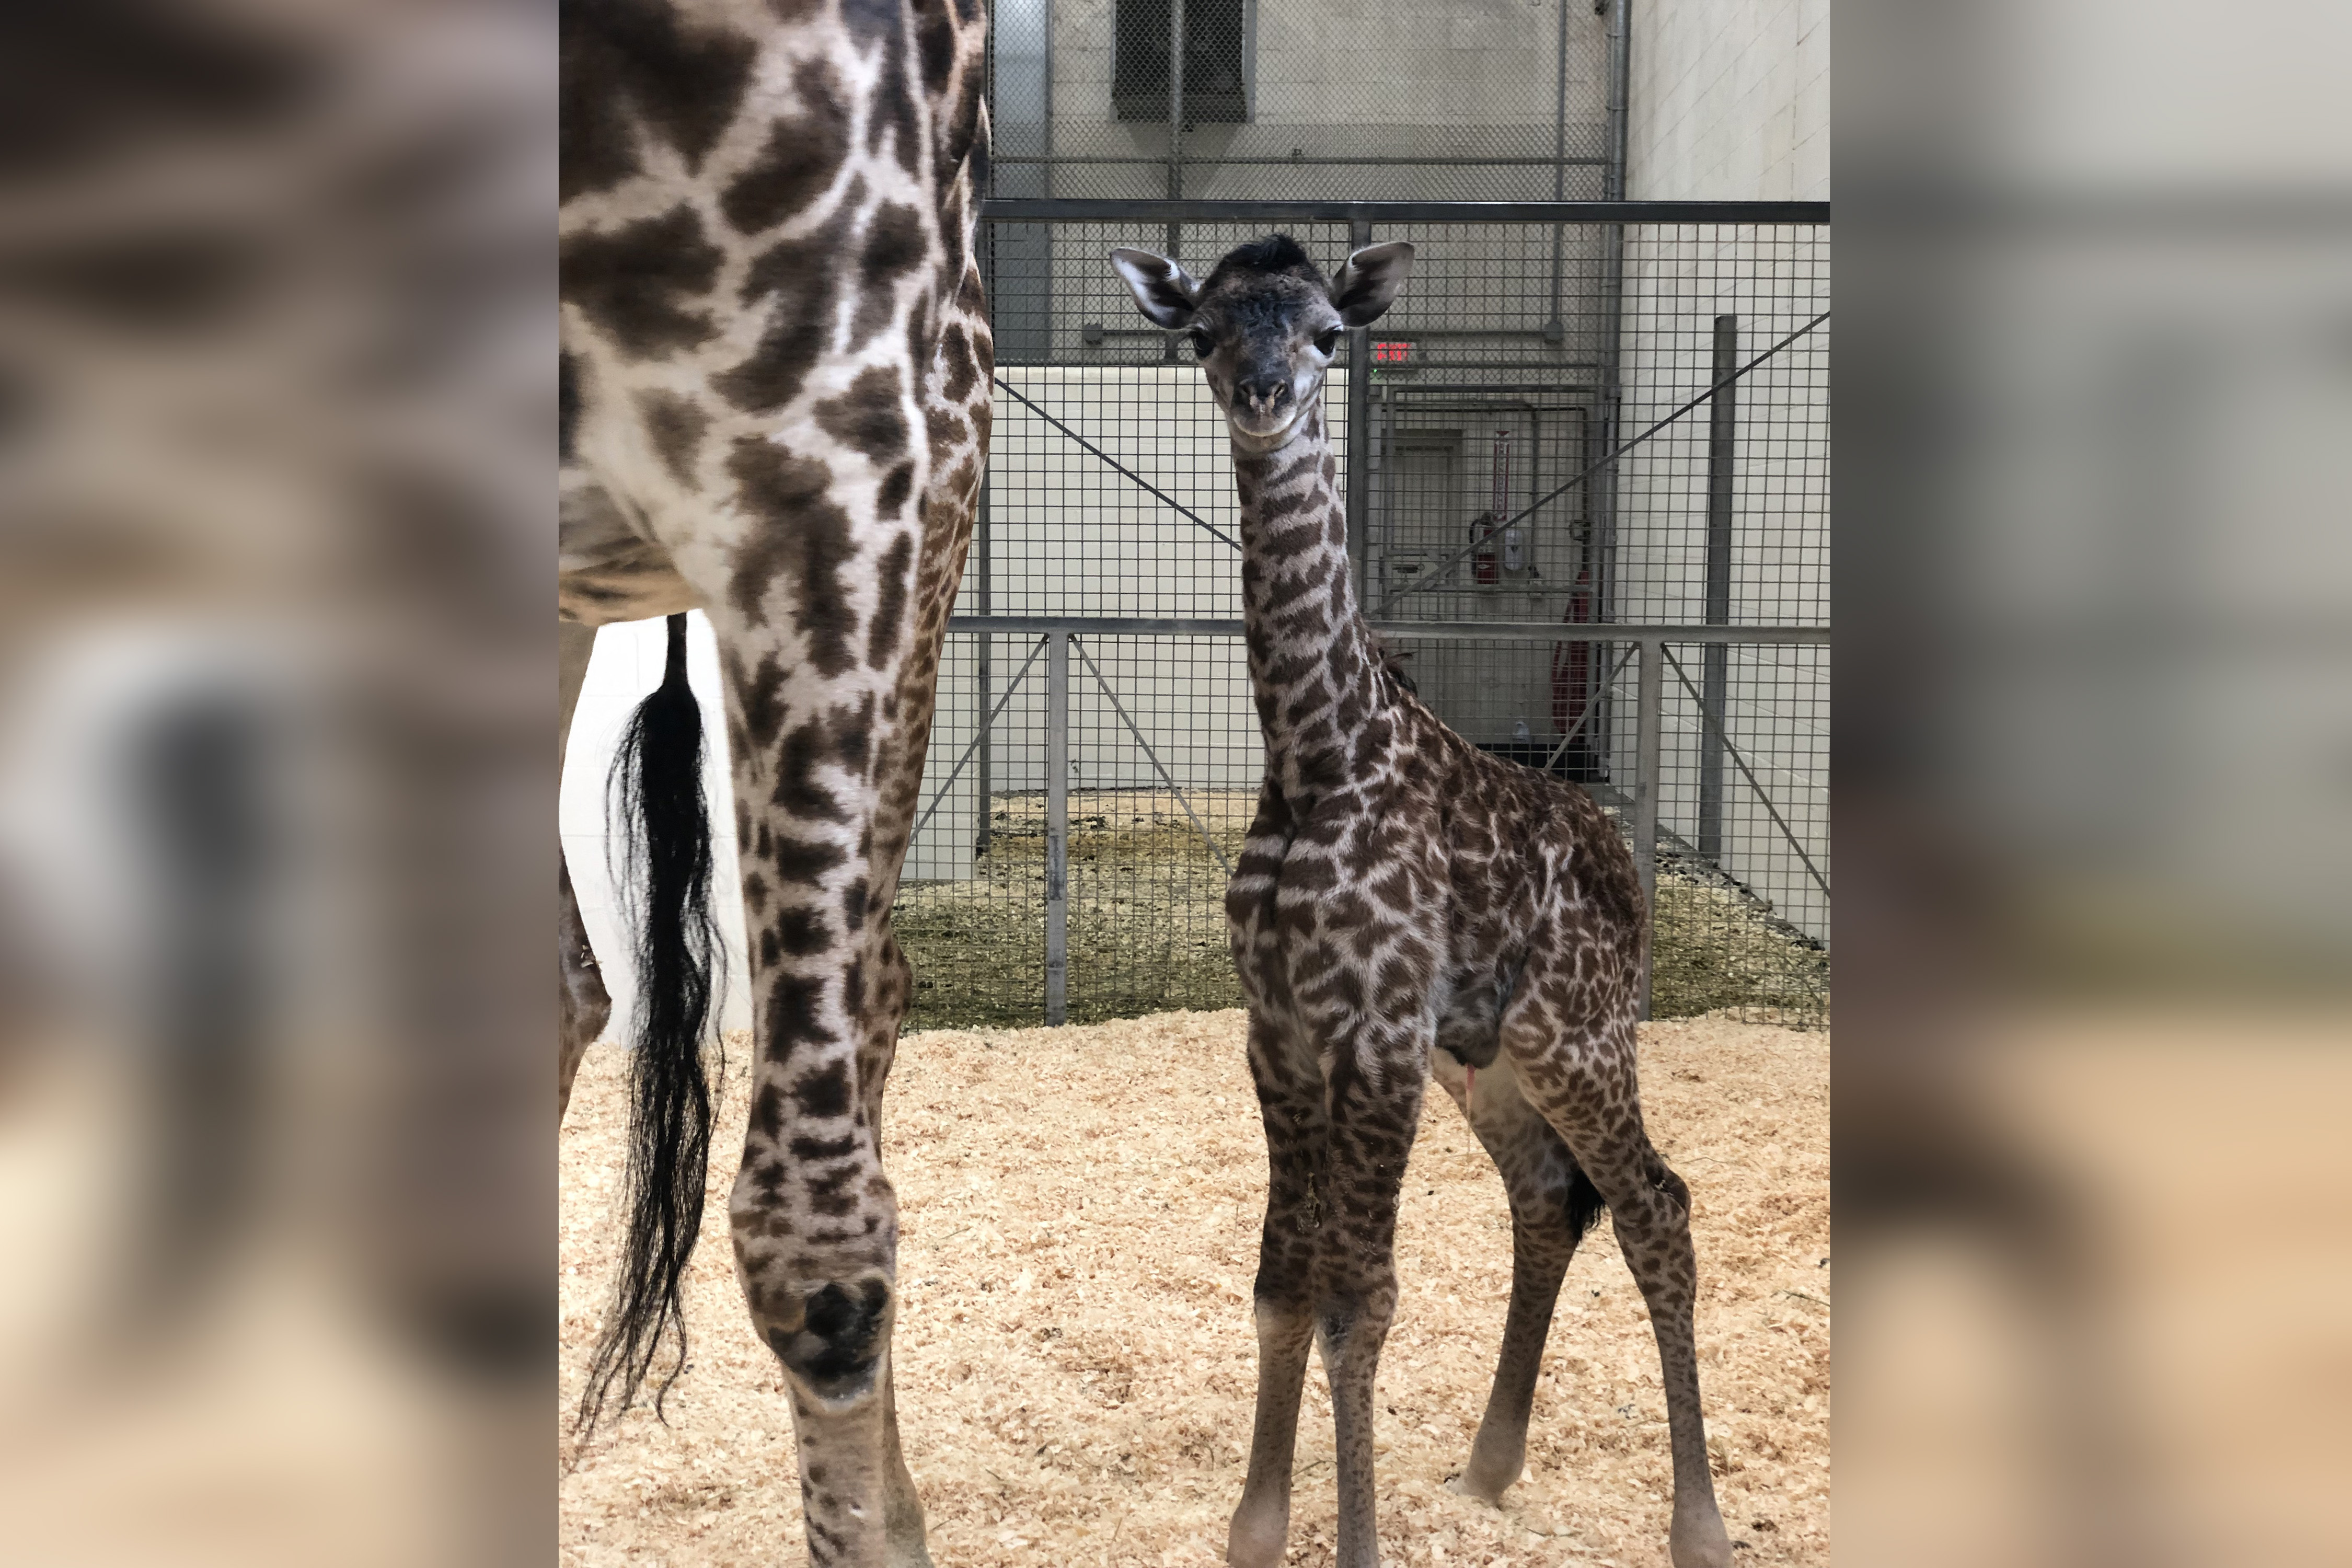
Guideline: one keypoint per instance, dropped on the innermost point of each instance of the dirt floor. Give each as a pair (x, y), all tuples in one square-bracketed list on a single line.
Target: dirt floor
[(1076, 1360)]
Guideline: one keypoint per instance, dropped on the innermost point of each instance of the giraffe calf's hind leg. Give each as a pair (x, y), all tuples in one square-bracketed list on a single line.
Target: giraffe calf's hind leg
[(1552, 1206), (1591, 1096)]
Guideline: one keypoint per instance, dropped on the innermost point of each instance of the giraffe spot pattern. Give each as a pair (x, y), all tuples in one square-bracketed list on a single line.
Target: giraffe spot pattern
[(867, 418), (677, 426), (805, 541), (802, 157), (638, 282), (620, 61), (797, 280)]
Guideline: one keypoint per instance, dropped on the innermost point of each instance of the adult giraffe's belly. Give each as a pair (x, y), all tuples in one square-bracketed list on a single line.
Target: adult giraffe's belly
[(606, 571)]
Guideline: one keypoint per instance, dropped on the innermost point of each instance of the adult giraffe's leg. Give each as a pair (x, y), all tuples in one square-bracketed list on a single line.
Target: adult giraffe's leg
[(814, 1219), (1290, 1100), (1552, 1204), (583, 1006), (890, 986), (831, 622), (1583, 1080)]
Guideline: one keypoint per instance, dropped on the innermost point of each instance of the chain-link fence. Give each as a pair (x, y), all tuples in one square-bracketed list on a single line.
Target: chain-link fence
[(1587, 469)]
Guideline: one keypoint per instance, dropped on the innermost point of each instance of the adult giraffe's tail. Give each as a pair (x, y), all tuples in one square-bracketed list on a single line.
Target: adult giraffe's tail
[(663, 878)]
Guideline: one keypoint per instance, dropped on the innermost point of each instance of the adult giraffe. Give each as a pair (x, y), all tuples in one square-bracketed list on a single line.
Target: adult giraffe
[(774, 407)]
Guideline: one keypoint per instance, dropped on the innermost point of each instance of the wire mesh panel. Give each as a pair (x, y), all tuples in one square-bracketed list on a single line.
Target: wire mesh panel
[(1565, 432), (972, 901), (1164, 763), (1742, 901)]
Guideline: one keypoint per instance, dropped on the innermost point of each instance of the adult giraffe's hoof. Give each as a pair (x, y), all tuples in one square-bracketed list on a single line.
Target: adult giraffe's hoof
[(1698, 1540)]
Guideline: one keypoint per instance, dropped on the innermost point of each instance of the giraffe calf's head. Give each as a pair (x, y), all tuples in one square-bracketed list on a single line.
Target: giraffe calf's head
[(1265, 325)]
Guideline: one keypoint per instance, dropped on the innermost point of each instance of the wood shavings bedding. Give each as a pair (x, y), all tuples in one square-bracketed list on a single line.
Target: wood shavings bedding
[(1076, 1364)]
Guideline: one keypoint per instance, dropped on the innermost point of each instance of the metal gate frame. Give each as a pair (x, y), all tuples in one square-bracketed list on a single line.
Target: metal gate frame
[(1647, 643)]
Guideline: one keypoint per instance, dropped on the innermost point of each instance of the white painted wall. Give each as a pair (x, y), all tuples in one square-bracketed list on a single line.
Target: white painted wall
[(1730, 102), (628, 665)]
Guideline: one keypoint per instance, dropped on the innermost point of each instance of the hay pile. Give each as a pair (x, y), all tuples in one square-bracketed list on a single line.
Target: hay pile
[(1146, 912), (1147, 923), (1076, 1364)]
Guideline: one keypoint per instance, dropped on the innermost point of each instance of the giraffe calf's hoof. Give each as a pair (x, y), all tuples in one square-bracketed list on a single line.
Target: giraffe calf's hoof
[(832, 1351), (1698, 1540), (1466, 1485), (1257, 1538)]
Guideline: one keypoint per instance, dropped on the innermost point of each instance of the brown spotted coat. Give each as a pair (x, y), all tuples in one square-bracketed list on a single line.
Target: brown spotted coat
[(1407, 904)]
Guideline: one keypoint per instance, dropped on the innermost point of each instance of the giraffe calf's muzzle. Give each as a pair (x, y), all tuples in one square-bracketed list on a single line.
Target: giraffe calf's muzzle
[(833, 1350)]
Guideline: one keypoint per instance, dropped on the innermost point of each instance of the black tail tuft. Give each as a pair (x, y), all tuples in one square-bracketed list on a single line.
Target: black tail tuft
[(663, 878), (1585, 1205)]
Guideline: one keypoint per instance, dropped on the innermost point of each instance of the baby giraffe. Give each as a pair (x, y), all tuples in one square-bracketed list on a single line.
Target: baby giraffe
[(1401, 891)]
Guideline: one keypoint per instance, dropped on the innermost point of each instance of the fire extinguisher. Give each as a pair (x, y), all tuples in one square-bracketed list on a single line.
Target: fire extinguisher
[(1481, 561), (1572, 662), (1488, 566)]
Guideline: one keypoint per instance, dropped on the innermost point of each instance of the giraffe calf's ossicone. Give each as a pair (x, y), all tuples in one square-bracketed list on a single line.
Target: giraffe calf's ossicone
[(1408, 906)]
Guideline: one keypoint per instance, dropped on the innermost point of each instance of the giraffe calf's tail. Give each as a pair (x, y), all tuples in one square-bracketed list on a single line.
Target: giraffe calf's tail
[(1585, 1204), (664, 871)]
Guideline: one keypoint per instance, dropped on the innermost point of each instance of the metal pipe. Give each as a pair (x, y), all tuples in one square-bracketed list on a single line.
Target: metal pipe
[(1438, 631), (1599, 554), (1359, 417), (1205, 209), (1560, 183), (981, 588), (1722, 420), (1175, 130), (1607, 465), (1057, 829), (1649, 749), (1140, 158)]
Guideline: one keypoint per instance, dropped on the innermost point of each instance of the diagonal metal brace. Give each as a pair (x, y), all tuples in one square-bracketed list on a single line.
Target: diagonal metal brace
[(1589, 707), (1746, 772), (1429, 579), (1219, 535), (1120, 709), (986, 726)]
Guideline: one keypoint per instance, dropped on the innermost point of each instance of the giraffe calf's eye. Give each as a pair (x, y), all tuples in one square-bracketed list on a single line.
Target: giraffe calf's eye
[(1326, 339), (1200, 343)]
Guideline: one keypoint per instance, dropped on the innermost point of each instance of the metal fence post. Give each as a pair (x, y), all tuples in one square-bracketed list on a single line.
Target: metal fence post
[(1057, 829), (1359, 419), (985, 645), (1722, 429), (1649, 747), (1175, 135)]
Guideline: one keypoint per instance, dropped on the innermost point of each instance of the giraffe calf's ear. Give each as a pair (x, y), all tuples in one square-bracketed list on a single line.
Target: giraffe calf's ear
[(1368, 285), (1164, 291)]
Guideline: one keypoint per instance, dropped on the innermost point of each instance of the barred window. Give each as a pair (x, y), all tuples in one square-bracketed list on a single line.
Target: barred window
[(1220, 44)]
